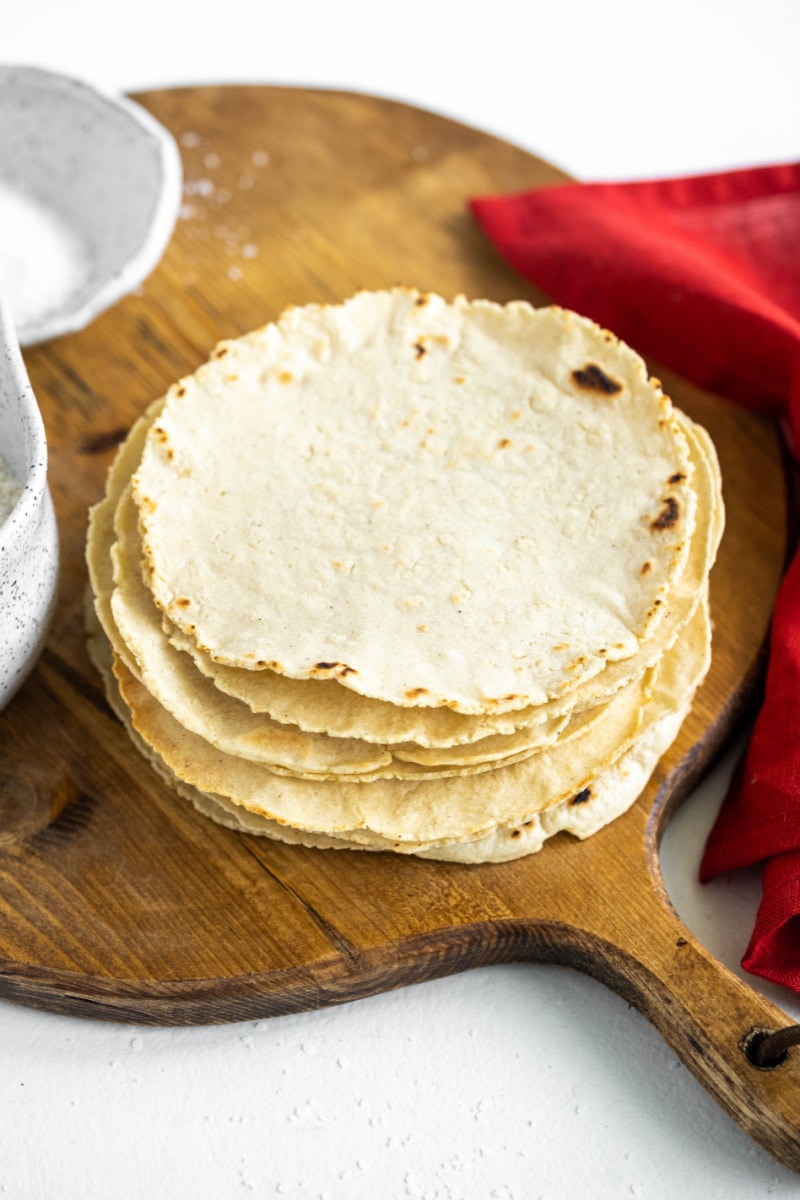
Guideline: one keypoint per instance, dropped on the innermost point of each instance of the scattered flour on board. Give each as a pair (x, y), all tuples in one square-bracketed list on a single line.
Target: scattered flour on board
[(204, 199), (42, 260), (9, 491)]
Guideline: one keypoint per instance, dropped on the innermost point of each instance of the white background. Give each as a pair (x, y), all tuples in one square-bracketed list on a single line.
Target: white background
[(520, 1081)]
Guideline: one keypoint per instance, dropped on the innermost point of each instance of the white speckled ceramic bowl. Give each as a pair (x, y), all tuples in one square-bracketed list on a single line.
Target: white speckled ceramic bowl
[(28, 536), (105, 169)]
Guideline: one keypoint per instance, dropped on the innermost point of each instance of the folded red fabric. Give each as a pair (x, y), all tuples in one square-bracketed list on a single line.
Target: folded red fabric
[(703, 274)]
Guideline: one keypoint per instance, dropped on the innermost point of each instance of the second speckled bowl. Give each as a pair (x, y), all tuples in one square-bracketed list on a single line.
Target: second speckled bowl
[(28, 536)]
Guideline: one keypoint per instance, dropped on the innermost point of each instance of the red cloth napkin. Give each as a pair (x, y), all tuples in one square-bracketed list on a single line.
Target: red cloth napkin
[(703, 274)]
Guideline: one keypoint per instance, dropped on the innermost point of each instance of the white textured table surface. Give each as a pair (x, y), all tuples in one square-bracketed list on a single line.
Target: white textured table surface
[(519, 1081)]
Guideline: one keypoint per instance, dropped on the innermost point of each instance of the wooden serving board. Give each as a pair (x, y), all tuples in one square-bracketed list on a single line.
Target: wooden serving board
[(117, 900)]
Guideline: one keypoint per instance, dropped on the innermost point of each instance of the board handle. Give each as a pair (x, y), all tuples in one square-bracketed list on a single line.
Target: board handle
[(742, 1048)]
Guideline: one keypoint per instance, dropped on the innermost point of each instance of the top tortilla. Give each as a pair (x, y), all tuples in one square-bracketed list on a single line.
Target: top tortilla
[(457, 504)]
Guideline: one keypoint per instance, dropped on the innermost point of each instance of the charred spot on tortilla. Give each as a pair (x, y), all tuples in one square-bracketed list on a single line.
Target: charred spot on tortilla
[(668, 515), (594, 379)]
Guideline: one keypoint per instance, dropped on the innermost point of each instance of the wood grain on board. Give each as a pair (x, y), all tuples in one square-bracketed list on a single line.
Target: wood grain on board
[(117, 900)]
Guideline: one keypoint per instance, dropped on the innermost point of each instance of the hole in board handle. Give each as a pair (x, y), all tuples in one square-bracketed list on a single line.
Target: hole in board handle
[(767, 1049)]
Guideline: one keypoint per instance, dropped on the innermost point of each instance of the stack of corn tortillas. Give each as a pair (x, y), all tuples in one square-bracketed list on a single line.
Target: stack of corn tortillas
[(407, 575)]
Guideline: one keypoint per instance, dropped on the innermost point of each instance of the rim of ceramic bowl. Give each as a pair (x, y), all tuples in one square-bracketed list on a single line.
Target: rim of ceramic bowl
[(135, 269), (34, 485)]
